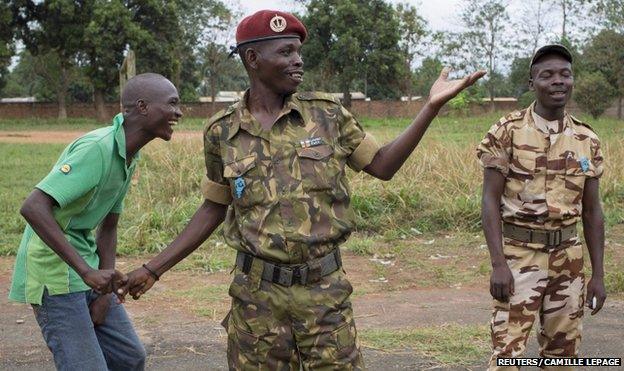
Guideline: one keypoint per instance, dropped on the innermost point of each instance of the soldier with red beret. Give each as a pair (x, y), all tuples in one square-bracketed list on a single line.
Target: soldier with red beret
[(275, 173)]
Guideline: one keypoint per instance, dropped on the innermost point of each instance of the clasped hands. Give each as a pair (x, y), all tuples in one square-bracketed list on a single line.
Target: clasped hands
[(106, 281)]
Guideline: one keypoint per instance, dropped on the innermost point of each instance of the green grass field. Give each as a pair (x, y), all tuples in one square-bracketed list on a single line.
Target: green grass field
[(437, 191)]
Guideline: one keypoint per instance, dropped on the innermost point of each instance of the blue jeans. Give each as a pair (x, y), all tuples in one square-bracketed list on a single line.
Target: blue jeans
[(77, 344)]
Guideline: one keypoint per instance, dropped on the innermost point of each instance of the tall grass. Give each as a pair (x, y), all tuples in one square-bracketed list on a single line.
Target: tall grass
[(439, 187)]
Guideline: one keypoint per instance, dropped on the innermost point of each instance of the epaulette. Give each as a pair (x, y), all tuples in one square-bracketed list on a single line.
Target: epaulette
[(221, 114), (513, 116), (317, 95), (579, 122)]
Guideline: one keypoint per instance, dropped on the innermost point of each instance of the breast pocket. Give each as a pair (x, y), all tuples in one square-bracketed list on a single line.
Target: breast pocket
[(577, 170), (522, 172), (319, 169), (246, 181)]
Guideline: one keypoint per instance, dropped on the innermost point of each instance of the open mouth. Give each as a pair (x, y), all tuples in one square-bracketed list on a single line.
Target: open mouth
[(558, 94), (172, 122), (296, 75)]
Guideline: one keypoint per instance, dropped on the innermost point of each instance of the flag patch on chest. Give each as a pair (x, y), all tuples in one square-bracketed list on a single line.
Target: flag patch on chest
[(311, 142)]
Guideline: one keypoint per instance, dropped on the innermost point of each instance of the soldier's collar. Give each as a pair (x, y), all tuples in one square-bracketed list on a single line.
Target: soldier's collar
[(245, 120), (529, 119)]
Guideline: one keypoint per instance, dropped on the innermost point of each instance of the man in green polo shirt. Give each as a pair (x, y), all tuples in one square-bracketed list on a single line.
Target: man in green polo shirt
[(61, 269)]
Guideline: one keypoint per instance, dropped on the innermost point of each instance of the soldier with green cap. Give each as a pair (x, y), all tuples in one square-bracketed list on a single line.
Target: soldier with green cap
[(275, 172), (541, 175)]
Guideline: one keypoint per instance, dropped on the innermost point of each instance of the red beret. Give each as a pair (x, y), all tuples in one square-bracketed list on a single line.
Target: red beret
[(269, 24)]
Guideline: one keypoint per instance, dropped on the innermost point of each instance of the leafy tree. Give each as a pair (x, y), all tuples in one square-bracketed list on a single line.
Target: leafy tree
[(533, 23), (484, 42), (351, 40), (7, 41), (53, 26), (612, 12), (605, 53), (593, 93), (426, 75), (413, 30), (519, 76), (106, 37)]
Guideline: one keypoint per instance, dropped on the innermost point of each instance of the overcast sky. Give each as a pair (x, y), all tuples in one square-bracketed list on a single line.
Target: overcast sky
[(441, 14)]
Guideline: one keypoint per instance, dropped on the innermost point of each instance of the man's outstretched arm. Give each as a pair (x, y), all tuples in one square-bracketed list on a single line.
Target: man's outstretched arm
[(391, 157), (501, 279), (205, 220), (593, 228), (38, 212)]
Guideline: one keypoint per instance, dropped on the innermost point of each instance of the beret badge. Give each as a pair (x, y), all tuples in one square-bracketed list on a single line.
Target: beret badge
[(278, 23)]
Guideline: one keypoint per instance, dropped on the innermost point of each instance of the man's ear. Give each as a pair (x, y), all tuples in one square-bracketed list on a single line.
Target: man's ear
[(141, 106), (531, 87), (251, 56)]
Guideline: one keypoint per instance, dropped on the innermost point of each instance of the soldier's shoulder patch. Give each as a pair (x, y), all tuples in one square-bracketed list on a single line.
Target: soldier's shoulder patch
[(221, 114), (513, 116), (317, 95), (582, 123)]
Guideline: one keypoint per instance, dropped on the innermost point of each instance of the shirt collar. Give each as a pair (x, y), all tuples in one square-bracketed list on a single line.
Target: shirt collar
[(243, 118), (542, 124), (120, 137)]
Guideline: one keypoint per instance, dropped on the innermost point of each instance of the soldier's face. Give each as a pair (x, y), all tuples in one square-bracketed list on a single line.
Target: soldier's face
[(163, 111), (552, 81), (279, 65)]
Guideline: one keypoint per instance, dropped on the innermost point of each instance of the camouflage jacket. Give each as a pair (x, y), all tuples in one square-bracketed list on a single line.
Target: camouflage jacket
[(545, 171), (286, 187)]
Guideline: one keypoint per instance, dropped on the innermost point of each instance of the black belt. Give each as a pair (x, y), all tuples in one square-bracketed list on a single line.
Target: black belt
[(288, 275), (548, 238)]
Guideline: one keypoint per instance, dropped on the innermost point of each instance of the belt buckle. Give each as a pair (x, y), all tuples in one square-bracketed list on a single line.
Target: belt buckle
[(554, 238), (300, 275)]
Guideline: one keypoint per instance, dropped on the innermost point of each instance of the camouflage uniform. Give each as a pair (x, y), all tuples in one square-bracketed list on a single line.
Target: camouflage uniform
[(289, 204), (545, 165)]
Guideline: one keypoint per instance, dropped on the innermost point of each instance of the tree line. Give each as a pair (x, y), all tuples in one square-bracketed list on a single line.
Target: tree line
[(70, 51)]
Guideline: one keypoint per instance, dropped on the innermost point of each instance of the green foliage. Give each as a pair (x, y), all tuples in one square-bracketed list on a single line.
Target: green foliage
[(448, 344), (7, 44), (526, 99), (593, 93), (353, 40), (519, 76), (605, 53), (426, 75)]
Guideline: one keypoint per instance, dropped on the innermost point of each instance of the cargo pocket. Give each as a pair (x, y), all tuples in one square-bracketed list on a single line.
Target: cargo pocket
[(244, 347), (344, 340), (577, 170), (319, 171)]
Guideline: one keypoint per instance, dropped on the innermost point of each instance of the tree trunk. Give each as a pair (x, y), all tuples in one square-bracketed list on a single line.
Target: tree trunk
[(620, 107), (100, 109), (61, 93), (213, 92), (346, 97)]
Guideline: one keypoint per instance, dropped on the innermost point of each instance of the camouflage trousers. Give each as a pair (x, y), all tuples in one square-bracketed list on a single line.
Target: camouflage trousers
[(272, 327), (548, 285)]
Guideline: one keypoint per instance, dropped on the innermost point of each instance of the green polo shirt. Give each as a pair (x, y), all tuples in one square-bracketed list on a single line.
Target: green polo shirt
[(89, 181)]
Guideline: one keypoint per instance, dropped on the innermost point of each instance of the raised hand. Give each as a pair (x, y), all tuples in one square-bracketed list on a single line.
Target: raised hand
[(444, 89), (139, 281), (104, 281)]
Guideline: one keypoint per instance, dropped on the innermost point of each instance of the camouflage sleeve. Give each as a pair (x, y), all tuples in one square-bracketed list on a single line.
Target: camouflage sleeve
[(214, 186), (362, 146), (597, 158), (494, 151)]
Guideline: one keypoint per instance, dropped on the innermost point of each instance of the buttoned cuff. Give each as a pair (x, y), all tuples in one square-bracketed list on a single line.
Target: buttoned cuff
[(363, 155), (216, 192)]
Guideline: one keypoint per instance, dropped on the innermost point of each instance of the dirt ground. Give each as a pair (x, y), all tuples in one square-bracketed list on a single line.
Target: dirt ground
[(177, 337)]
